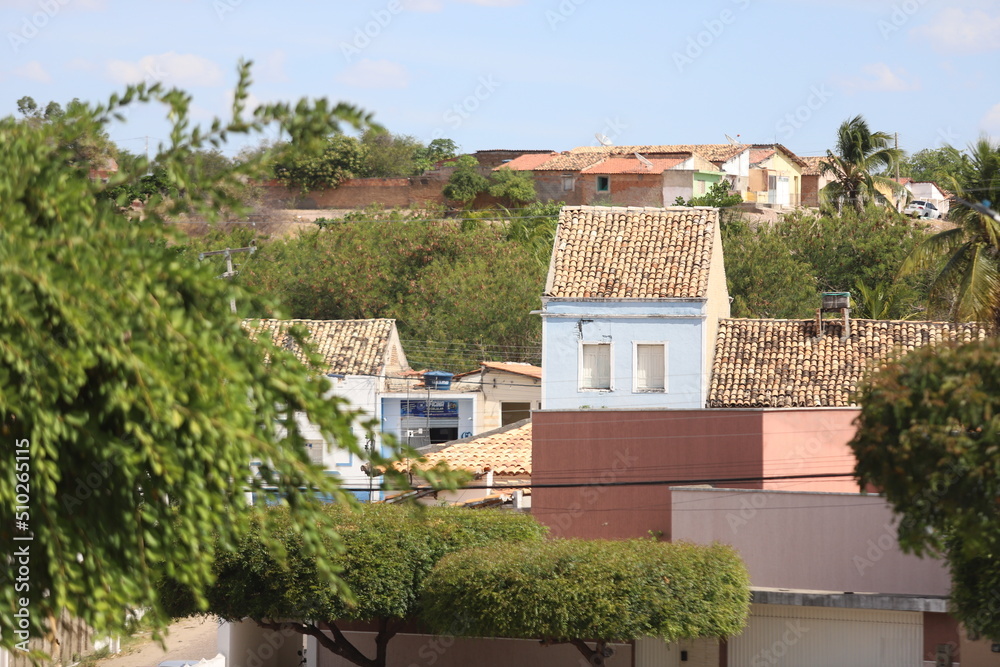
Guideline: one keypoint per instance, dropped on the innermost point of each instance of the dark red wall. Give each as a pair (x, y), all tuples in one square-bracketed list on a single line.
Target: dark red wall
[(596, 449)]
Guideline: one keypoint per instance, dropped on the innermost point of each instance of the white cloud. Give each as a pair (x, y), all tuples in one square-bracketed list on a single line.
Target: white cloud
[(32, 70), (880, 77), (955, 30), (173, 69), (991, 121), (375, 74)]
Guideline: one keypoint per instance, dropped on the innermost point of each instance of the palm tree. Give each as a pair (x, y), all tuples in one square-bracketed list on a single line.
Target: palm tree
[(971, 251), (860, 153)]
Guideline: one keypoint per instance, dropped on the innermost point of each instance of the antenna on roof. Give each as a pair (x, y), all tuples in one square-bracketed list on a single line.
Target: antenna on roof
[(733, 141), (603, 140), (644, 161)]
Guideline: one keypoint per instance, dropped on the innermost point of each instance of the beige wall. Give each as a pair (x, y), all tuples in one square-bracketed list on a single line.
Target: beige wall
[(716, 306), (810, 541), (502, 387)]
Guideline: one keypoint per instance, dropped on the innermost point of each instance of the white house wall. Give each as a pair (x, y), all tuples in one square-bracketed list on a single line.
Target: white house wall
[(680, 324)]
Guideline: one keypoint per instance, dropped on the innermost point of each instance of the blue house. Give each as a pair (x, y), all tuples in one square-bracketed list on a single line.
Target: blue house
[(631, 307)]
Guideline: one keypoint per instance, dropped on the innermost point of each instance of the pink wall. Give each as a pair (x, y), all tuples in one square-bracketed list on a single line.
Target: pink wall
[(813, 541), (808, 441)]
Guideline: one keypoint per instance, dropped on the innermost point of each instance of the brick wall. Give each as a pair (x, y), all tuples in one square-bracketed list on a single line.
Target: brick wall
[(626, 189)]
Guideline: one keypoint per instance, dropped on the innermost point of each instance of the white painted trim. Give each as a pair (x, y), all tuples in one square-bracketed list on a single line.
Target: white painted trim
[(577, 316), (611, 366), (635, 367)]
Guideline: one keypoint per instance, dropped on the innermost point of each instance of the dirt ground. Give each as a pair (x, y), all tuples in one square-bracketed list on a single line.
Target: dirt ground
[(189, 638)]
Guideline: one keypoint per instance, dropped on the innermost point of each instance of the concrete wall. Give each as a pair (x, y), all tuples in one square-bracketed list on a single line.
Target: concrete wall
[(248, 645), (469, 411), (501, 387), (567, 324), (596, 448), (409, 650), (717, 306), (677, 183), (811, 541)]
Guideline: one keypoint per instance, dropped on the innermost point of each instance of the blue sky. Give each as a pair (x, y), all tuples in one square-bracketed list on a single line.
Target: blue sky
[(524, 74)]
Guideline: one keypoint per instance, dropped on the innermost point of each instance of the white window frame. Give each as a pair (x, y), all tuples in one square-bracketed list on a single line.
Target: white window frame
[(611, 366), (635, 367), (568, 182)]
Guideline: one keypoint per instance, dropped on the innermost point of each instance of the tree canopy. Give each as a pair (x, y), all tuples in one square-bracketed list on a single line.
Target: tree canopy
[(573, 591), (858, 166), (382, 554), (929, 437), (131, 401)]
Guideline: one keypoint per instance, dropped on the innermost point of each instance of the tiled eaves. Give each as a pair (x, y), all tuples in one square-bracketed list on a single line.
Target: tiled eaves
[(632, 252), (348, 347), (784, 363), (505, 451)]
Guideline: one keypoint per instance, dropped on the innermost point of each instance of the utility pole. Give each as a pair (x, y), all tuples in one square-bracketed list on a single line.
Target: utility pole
[(228, 252)]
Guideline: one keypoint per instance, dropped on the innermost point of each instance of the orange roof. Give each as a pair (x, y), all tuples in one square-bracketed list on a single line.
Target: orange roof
[(514, 367), (784, 363), (717, 153), (632, 252), (505, 451), (758, 155), (527, 162), (812, 167), (632, 165), (349, 347)]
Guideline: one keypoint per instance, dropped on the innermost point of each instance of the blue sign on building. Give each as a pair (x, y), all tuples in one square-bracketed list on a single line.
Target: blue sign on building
[(446, 409)]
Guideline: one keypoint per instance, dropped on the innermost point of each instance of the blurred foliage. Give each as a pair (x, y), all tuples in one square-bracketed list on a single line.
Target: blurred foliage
[(929, 438), (131, 388)]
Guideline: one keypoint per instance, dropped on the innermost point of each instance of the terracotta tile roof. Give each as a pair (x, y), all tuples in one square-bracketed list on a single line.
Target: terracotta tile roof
[(348, 347), (505, 451), (618, 252), (569, 162), (631, 165), (812, 164), (781, 363), (779, 147), (512, 367), (528, 162), (758, 155), (711, 152)]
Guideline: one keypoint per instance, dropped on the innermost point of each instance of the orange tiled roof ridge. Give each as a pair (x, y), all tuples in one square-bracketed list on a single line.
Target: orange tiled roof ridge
[(711, 152), (505, 451), (348, 347), (632, 252), (783, 363)]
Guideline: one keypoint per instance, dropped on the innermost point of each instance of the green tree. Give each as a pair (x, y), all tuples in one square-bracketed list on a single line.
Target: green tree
[(387, 155), (718, 195), (966, 258), (339, 158), (382, 554), (435, 151), (928, 437), (878, 302), (465, 182), (512, 187), (857, 165), (131, 401), (933, 164), (574, 591), (765, 278)]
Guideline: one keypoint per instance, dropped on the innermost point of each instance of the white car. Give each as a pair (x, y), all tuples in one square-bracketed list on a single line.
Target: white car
[(922, 209)]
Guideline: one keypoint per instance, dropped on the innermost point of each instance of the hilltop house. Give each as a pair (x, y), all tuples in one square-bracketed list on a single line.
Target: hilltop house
[(631, 307), (775, 176)]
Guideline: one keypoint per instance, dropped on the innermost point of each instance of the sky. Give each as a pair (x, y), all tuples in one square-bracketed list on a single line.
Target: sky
[(534, 74)]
